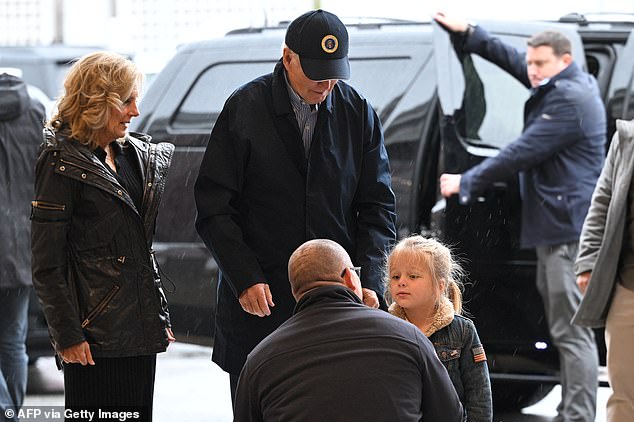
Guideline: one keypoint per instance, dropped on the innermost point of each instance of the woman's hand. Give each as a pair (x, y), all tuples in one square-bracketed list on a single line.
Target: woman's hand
[(170, 335), (78, 353)]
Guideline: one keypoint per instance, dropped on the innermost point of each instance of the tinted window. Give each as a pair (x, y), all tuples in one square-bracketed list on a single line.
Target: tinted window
[(377, 81), (404, 120), (493, 101), (374, 78), (205, 99)]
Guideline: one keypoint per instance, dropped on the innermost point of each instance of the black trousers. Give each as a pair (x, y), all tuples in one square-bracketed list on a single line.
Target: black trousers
[(111, 385), (233, 384)]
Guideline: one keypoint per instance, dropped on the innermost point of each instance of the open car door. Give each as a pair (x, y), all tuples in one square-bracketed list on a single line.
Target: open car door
[(482, 111)]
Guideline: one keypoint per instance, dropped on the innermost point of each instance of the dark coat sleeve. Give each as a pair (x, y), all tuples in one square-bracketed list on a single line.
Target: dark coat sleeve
[(247, 403), (50, 220), (375, 205), (217, 192), (593, 233), (557, 127)]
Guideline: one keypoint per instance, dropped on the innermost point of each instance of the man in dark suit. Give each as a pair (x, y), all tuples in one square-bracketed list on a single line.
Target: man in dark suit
[(559, 156), (294, 155)]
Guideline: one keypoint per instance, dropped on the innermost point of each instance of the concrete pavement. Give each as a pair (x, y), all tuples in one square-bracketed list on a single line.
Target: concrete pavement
[(189, 387)]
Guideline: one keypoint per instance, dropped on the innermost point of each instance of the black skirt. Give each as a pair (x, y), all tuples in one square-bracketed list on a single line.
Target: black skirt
[(111, 385)]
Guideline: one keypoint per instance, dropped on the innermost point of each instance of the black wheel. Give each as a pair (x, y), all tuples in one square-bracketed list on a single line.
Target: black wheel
[(511, 396)]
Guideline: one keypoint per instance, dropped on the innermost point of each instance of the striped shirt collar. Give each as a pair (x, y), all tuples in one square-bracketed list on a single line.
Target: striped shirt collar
[(296, 101)]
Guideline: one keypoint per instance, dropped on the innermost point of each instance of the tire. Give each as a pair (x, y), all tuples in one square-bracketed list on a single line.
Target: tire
[(510, 396)]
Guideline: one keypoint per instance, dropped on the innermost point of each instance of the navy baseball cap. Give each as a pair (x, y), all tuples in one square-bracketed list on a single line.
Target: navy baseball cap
[(320, 40)]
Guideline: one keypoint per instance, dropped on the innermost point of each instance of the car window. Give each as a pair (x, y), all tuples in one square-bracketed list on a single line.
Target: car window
[(493, 101), (374, 78), (377, 81), (486, 103), (205, 99)]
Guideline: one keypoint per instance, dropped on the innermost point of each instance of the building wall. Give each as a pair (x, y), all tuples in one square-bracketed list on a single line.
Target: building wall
[(151, 30), (26, 22)]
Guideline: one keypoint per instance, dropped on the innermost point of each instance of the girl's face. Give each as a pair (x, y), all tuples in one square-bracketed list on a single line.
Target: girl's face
[(411, 283)]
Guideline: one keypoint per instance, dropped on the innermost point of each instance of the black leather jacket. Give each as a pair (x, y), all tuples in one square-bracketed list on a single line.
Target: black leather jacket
[(93, 268)]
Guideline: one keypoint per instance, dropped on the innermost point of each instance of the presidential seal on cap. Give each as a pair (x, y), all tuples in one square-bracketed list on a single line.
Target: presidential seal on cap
[(320, 40)]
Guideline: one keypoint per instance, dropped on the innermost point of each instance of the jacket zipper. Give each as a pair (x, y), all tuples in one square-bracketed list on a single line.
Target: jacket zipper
[(100, 307), (48, 206)]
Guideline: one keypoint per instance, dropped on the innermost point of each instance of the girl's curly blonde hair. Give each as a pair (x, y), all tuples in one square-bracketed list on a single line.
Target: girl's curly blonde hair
[(96, 84)]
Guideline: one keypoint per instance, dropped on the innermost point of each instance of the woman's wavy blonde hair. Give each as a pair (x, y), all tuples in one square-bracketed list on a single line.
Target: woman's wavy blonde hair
[(441, 262), (96, 84)]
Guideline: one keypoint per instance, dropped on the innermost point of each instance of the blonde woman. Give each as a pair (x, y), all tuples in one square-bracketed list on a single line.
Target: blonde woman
[(97, 192), (423, 284)]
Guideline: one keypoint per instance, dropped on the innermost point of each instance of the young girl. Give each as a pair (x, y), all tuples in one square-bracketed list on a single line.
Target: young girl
[(423, 283)]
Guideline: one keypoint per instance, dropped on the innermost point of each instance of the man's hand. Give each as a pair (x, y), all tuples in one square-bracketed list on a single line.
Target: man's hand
[(78, 353), (370, 298), (582, 281), (449, 184), (257, 299), (451, 23)]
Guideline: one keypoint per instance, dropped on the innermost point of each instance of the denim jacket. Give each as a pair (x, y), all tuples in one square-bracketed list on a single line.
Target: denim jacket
[(458, 347)]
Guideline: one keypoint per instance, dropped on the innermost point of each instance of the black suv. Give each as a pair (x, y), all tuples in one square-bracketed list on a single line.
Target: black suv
[(434, 118)]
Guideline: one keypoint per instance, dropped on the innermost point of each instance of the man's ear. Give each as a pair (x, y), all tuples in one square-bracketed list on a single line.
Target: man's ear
[(286, 57), (567, 58), (351, 281)]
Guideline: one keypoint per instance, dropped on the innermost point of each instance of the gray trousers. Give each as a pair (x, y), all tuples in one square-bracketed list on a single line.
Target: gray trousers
[(578, 355)]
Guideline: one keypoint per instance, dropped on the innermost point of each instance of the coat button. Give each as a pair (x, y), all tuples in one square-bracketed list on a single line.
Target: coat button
[(149, 184), (62, 168)]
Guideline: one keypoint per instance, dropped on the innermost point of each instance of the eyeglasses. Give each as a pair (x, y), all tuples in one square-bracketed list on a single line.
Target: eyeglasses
[(355, 269)]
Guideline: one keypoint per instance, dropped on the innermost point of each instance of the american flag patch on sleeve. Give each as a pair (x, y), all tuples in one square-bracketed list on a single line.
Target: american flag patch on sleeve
[(478, 354)]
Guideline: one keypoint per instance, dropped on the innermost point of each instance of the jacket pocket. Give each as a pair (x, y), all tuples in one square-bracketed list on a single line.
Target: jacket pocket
[(44, 211), (101, 306), (447, 354), (450, 358), (50, 206)]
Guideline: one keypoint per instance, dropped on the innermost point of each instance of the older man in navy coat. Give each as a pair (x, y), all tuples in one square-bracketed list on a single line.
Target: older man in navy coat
[(559, 156), (294, 155)]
